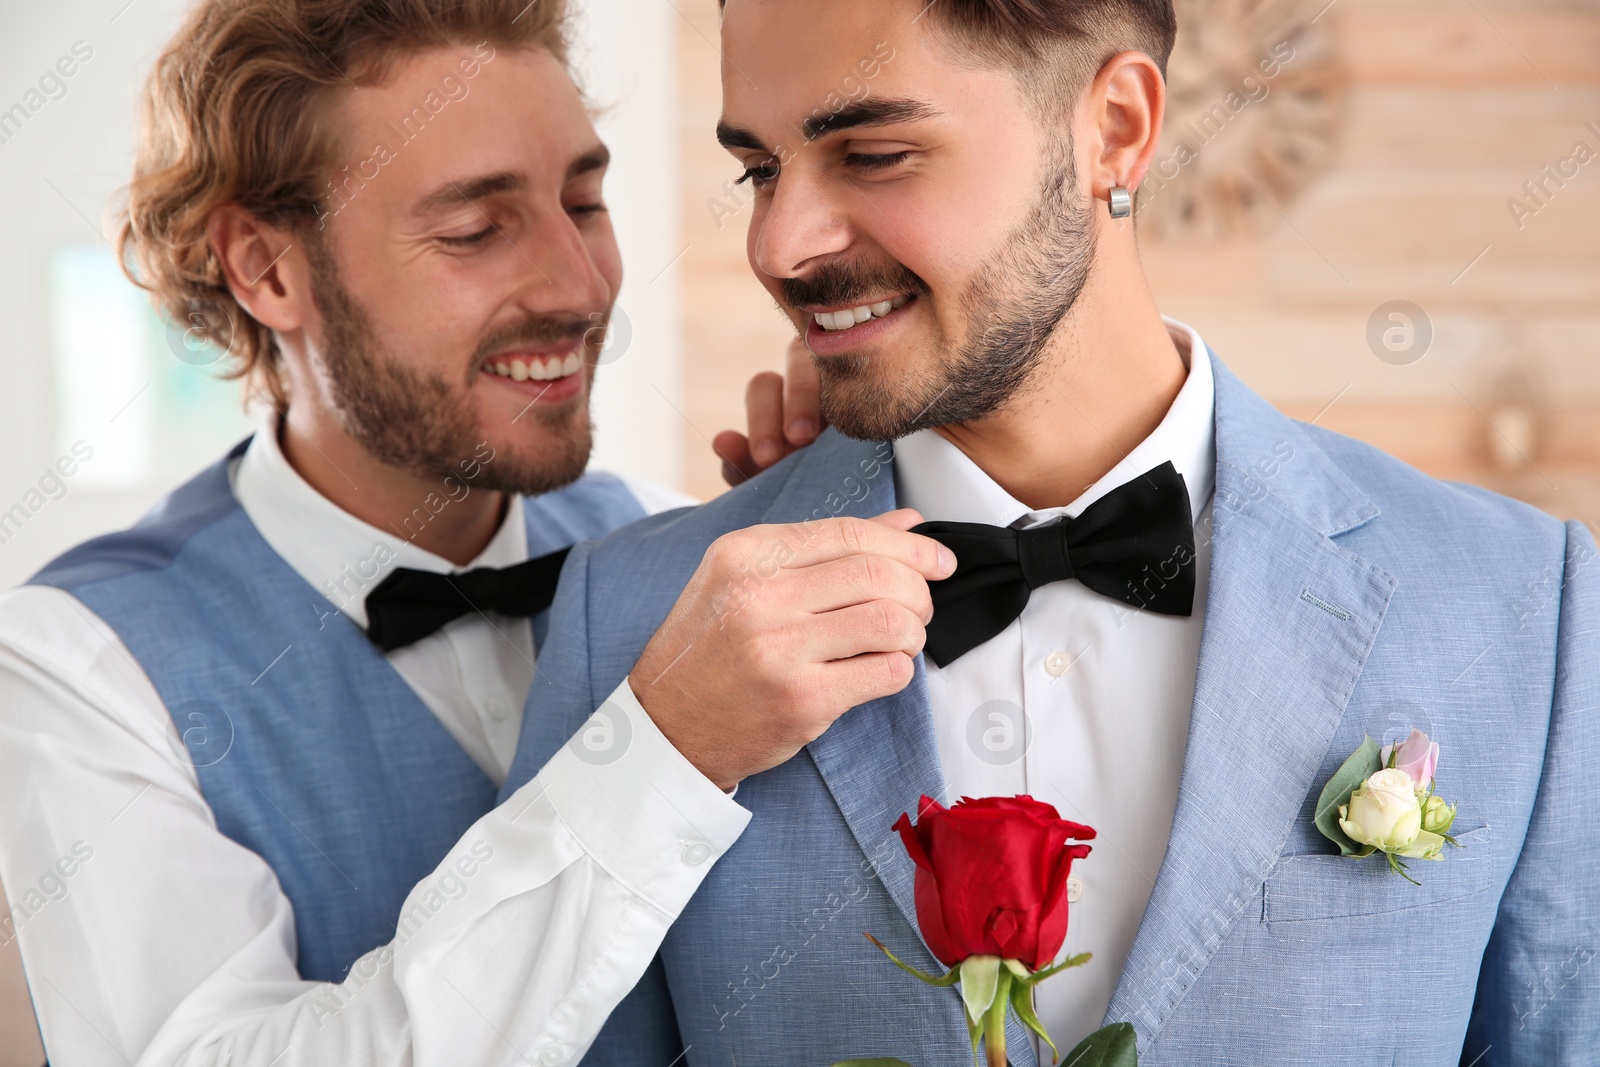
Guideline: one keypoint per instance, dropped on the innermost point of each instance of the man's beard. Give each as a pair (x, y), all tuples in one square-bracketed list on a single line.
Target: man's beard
[(1011, 311), (419, 421)]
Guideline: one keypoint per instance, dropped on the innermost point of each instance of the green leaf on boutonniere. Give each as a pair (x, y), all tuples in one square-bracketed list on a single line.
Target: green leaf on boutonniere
[(1109, 1046), (1022, 1004), (1071, 961), (1362, 764), (980, 979), (948, 978)]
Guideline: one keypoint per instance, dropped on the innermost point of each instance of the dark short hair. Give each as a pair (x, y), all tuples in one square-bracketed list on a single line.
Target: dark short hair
[(1034, 35)]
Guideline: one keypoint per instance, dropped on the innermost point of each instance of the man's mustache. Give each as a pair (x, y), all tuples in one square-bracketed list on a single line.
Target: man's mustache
[(836, 284), (537, 330)]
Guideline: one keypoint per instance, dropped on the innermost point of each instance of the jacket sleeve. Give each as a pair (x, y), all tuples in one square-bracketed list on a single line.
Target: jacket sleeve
[(1538, 1002)]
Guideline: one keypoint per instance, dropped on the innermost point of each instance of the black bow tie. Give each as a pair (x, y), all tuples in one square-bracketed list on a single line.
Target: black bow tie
[(1135, 544), (408, 605)]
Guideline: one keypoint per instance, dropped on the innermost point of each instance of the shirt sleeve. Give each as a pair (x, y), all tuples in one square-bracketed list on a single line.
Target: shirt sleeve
[(149, 937)]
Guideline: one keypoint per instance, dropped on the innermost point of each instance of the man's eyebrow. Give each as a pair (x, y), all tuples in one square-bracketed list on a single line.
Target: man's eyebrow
[(865, 113), (466, 190), (596, 158), (463, 190), (731, 136)]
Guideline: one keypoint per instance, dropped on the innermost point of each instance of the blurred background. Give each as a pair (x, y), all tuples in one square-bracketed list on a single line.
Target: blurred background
[(1383, 214)]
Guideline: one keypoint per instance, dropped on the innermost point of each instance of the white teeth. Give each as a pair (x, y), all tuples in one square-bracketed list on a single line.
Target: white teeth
[(843, 320), (537, 368)]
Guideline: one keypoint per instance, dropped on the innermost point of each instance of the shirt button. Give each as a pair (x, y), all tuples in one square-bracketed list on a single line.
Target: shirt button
[(696, 852), (552, 1056), (498, 709), (1074, 890), (1057, 663)]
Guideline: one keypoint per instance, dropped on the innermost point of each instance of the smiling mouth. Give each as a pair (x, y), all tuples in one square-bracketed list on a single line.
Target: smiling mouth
[(849, 318), (534, 366)]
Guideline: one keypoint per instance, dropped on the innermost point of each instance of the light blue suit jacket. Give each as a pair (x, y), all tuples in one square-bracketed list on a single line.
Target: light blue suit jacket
[(1350, 595)]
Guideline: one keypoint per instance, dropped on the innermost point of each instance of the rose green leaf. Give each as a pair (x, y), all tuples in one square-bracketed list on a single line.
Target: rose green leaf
[(980, 979), (1109, 1046), (1071, 961), (1022, 1004), (1362, 764), (948, 978)]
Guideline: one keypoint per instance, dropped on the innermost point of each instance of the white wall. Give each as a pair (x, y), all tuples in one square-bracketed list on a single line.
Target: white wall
[(58, 174), (627, 56)]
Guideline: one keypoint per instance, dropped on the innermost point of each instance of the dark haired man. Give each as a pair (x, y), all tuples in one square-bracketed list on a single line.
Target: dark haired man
[(1199, 608), (249, 748)]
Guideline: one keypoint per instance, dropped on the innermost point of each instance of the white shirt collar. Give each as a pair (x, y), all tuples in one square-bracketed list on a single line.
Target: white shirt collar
[(338, 554), (940, 481)]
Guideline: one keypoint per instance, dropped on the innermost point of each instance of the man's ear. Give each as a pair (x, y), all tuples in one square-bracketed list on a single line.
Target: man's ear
[(1127, 100), (265, 267)]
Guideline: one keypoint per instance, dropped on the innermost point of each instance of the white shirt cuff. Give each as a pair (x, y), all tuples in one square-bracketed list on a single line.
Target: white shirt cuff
[(638, 806)]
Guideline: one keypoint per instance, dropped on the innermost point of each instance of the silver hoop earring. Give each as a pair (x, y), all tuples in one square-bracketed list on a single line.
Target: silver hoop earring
[(1121, 203)]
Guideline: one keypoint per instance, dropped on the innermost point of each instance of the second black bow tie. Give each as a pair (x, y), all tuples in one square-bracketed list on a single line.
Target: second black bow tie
[(1135, 544), (408, 605)]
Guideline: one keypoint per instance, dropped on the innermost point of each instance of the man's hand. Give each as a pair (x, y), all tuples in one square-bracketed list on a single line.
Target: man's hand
[(782, 630), (785, 415)]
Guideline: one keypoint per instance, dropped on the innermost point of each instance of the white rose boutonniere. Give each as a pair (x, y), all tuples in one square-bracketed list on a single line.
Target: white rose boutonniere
[(1382, 800)]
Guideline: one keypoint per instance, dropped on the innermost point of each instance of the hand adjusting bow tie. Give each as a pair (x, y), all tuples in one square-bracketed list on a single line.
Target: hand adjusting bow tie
[(408, 605), (1135, 544)]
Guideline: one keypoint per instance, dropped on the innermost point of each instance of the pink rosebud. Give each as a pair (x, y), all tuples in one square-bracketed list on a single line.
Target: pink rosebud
[(1417, 756)]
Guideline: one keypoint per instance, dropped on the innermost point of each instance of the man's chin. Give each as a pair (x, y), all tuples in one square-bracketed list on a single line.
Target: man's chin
[(543, 453), (860, 405)]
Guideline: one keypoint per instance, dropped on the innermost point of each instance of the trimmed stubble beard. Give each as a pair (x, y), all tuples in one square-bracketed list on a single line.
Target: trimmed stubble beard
[(1011, 311), (419, 421)]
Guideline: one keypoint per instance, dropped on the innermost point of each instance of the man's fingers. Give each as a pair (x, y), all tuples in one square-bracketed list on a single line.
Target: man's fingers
[(802, 403), (841, 583), (878, 626), (811, 543), (899, 519), (733, 450), (867, 677), (763, 402)]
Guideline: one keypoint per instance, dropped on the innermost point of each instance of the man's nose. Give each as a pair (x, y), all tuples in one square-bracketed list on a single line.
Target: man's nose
[(560, 269), (803, 222)]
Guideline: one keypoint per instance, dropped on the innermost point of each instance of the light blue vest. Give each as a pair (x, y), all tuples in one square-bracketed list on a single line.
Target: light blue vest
[(311, 750)]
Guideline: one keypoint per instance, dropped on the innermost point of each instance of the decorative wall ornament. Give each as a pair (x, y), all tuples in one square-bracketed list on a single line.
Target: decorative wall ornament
[(1254, 107)]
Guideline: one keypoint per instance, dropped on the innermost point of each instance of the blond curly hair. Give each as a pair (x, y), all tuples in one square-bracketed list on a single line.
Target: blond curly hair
[(233, 113)]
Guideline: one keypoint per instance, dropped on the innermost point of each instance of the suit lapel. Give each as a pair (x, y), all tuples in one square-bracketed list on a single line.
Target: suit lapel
[(880, 758), (1290, 619)]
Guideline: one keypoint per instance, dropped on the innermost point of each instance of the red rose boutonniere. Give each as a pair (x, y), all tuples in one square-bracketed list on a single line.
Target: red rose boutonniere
[(991, 895)]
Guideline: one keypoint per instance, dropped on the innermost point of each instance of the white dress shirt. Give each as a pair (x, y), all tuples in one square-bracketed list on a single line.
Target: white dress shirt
[(1084, 701), (149, 937)]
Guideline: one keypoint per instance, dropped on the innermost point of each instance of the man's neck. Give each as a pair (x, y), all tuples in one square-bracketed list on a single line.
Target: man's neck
[(1110, 376), (337, 467)]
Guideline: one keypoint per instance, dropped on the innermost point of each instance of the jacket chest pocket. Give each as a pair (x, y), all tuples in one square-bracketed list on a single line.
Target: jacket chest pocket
[(1313, 888)]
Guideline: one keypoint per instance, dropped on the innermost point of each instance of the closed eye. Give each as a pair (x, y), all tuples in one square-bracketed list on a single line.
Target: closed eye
[(872, 163), (759, 175), (468, 240)]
